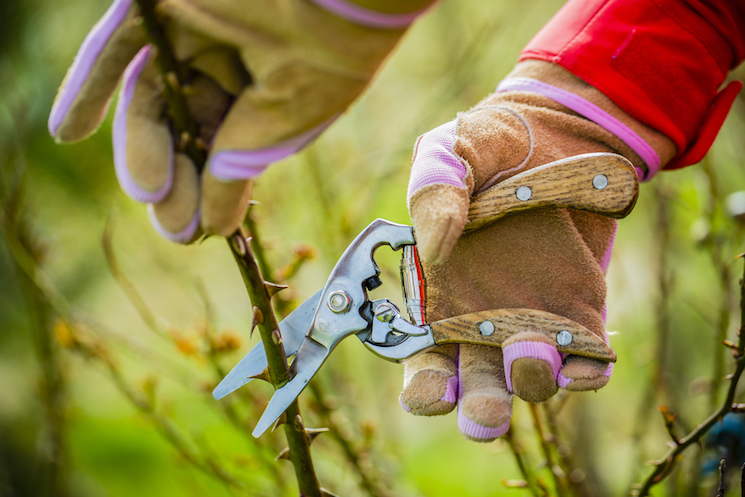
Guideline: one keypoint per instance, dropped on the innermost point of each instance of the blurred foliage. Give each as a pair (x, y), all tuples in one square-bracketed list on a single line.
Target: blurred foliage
[(105, 394)]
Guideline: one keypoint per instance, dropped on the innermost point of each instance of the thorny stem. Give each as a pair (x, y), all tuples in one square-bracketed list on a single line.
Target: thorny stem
[(147, 315), (207, 465), (373, 484), (184, 125), (556, 472), (724, 274), (53, 383), (664, 466), (46, 295), (565, 460), (297, 439), (175, 76), (658, 382), (534, 484)]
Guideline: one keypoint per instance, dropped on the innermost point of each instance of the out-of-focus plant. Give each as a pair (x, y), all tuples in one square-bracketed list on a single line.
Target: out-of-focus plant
[(673, 298)]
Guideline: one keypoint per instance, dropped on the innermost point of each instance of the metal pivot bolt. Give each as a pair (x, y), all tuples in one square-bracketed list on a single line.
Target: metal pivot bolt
[(600, 181), (564, 338), (486, 328), (339, 301), (523, 193)]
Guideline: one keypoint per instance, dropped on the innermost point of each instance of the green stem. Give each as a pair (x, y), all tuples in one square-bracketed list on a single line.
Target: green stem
[(297, 438), (534, 485), (560, 485), (186, 128)]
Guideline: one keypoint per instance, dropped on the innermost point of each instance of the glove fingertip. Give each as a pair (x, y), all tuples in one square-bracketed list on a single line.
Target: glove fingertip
[(439, 213), (143, 145), (85, 93), (176, 218), (184, 236), (224, 203)]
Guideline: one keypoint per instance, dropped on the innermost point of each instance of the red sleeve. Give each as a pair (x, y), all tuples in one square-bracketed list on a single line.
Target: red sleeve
[(662, 61)]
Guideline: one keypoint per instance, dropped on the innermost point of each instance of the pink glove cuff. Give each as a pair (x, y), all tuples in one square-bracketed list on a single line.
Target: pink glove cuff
[(370, 18), (119, 136), (528, 349), (594, 114), (435, 162), (231, 165), (84, 61)]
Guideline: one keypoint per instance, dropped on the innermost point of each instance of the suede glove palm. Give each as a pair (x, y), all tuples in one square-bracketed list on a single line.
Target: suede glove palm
[(266, 79), (551, 260)]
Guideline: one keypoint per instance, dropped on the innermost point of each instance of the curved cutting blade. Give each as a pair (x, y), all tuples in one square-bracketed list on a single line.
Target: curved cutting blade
[(293, 329), (308, 361)]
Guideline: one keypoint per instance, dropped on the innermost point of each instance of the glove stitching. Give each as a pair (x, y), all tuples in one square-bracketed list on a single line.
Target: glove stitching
[(496, 177)]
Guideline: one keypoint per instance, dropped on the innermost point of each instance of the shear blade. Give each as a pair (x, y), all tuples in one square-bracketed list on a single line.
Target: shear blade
[(308, 360), (293, 329)]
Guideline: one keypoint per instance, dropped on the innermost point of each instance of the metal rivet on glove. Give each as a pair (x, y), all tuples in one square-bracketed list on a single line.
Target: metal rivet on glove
[(600, 181), (339, 301), (486, 328), (523, 193), (564, 338)]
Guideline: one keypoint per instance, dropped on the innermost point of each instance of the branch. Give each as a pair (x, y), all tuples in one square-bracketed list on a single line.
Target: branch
[(175, 75), (533, 483), (664, 466), (557, 473)]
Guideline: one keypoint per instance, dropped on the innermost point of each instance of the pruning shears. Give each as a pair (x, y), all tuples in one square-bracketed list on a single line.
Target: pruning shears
[(601, 183)]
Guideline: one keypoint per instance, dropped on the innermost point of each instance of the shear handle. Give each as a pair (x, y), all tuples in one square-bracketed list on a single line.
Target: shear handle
[(494, 327), (602, 183)]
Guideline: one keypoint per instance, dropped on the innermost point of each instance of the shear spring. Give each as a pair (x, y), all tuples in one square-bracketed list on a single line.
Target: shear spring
[(413, 284)]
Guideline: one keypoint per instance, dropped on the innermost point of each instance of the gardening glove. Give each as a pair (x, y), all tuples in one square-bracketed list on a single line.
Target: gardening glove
[(551, 259), (265, 80)]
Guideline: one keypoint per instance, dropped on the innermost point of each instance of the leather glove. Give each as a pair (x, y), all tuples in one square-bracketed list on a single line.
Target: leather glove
[(550, 259), (265, 80)]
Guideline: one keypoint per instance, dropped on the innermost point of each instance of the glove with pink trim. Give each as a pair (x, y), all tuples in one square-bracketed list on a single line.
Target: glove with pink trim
[(265, 80), (551, 259)]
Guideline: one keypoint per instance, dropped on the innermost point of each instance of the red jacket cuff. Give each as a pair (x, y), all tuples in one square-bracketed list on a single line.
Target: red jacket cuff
[(662, 61)]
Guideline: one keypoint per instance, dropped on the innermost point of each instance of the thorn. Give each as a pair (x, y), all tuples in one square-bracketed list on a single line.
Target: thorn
[(740, 256), (298, 424), (258, 318), (280, 421), (172, 80), (254, 202), (285, 454), (272, 288), (264, 375), (326, 493), (188, 90), (183, 140), (240, 244), (668, 414), (201, 144), (276, 337), (314, 432), (730, 344)]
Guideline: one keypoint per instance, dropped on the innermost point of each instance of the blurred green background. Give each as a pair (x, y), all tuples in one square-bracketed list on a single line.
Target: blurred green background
[(130, 412)]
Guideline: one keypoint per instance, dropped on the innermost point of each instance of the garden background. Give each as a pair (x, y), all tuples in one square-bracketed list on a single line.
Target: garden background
[(111, 338)]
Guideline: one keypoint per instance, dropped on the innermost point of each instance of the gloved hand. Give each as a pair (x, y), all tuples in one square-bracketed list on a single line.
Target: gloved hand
[(551, 259), (266, 79)]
